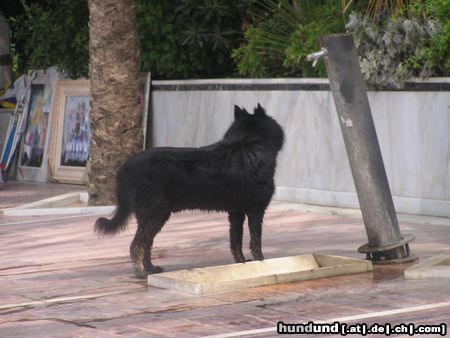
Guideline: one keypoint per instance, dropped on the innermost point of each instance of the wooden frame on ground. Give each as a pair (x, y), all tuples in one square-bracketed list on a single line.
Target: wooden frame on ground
[(34, 149), (71, 133)]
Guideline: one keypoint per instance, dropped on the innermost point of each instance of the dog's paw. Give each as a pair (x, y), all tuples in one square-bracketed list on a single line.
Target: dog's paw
[(140, 273), (258, 256), (239, 258), (150, 268), (155, 269)]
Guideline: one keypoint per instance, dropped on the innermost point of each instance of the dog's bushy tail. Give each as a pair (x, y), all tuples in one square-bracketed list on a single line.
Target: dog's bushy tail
[(117, 223), (105, 226)]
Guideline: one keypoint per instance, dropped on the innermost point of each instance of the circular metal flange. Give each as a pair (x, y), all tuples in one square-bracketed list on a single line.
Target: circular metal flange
[(394, 253), (409, 259), (405, 240)]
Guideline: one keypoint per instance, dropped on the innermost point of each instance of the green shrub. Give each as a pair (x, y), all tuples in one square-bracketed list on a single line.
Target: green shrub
[(263, 53), (161, 50), (204, 38), (54, 33), (189, 38), (326, 19), (252, 59), (396, 41), (433, 58), (276, 44), (395, 49), (179, 39)]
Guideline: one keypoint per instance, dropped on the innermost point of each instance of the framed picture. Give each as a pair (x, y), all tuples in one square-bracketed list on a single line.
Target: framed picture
[(71, 135), (35, 135), (12, 137), (35, 140)]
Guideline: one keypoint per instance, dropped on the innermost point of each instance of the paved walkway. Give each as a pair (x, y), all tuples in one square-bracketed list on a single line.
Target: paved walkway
[(59, 280), (15, 193)]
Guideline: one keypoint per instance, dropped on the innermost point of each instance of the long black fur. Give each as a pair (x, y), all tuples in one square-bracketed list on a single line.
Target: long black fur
[(233, 175)]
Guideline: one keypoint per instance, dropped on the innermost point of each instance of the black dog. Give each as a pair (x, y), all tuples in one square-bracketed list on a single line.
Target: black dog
[(233, 175)]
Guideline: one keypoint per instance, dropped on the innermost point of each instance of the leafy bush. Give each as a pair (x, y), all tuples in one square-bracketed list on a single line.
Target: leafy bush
[(53, 33), (397, 48), (276, 45), (325, 19), (201, 38), (395, 40), (433, 59), (375, 8), (161, 50), (263, 54), (189, 38), (179, 39)]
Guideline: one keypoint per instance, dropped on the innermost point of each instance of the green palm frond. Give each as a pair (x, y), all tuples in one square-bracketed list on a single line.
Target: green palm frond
[(376, 7)]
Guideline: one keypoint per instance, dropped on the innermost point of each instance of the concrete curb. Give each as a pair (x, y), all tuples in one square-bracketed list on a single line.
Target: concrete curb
[(57, 205), (434, 267)]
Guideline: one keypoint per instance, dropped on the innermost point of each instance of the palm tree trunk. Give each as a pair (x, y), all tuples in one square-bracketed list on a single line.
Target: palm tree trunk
[(116, 120)]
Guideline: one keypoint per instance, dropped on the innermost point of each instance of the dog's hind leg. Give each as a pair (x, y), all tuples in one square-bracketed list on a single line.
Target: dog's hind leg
[(149, 224), (236, 230), (255, 220)]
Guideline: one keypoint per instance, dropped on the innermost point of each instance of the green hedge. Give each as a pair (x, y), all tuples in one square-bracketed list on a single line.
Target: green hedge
[(251, 38), (179, 39)]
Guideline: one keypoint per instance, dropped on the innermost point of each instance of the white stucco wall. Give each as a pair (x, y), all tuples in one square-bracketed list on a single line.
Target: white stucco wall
[(413, 129)]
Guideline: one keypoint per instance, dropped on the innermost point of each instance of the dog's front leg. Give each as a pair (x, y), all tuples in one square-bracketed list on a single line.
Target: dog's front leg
[(255, 220)]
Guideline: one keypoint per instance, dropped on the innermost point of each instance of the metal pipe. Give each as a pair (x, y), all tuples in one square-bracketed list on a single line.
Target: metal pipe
[(386, 243)]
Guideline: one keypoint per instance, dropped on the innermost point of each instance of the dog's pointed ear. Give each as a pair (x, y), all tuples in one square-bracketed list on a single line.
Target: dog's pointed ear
[(239, 113), (259, 111)]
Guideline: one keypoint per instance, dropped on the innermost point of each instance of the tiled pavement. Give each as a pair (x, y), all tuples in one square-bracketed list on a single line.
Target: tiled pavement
[(57, 279), (17, 192)]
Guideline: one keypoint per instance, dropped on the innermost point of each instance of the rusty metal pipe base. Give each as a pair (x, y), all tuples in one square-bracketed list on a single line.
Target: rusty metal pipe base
[(394, 253)]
